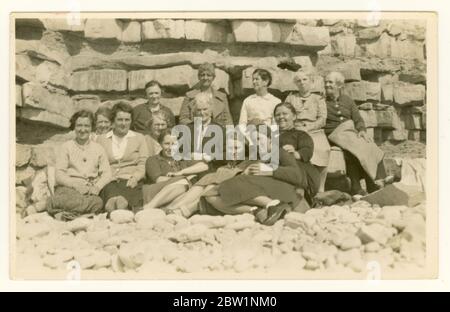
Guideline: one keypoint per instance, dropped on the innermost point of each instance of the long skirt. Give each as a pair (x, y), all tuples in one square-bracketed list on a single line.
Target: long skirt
[(241, 188), (322, 149), (120, 188), (68, 204)]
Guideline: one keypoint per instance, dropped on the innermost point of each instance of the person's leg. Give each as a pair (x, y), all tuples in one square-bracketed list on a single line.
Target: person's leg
[(353, 172), (261, 201), (70, 204), (166, 195), (323, 171), (189, 202), (192, 195), (218, 204)]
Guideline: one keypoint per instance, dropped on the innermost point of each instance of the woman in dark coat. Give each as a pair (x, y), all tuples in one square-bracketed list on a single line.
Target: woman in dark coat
[(299, 144), (270, 190)]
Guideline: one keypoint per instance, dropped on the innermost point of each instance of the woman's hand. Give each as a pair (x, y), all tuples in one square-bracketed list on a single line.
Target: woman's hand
[(132, 182), (289, 148), (255, 169)]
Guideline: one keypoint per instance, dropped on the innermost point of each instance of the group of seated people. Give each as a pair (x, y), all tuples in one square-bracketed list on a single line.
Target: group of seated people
[(123, 158)]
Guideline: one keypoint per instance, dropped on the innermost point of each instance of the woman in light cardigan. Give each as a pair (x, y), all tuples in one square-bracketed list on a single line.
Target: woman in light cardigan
[(82, 170), (127, 152)]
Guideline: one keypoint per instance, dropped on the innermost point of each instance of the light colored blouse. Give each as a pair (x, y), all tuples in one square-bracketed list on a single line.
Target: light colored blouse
[(258, 107), (311, 110), (133, 150), (86, 164)]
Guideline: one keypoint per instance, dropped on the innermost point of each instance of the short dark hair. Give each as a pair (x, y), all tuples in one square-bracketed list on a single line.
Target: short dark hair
[(81, 114), (264, 74), (163, 134), (288, 106), (103, 111), (121, 106), (152, 83)]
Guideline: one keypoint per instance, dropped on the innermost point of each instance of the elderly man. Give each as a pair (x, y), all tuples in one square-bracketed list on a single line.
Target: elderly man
[(219, 106), (346, 129)]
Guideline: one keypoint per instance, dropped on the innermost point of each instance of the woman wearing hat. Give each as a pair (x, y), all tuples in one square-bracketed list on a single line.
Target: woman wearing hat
[(220, 108)]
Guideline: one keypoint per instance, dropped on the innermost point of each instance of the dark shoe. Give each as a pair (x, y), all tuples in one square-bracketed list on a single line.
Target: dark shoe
[(261, 215), (275, 213)]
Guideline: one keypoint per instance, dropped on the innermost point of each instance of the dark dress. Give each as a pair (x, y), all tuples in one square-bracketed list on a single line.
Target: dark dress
[(304, 145), (282, 185), (157, 166)]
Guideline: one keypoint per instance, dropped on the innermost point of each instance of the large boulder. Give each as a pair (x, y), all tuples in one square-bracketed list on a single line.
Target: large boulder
[(25, 67), (396, 194), (163, 29), (23, 155), (208, 32), (105, 28), (64, 24), (42, 155), (47, 98), (130, 60), (131, 32), (413, 121), (388, 46), (245, 31), (351, 69), (24, 175), (344, 45), (86, 101), (42, 116), (405, 94), (369, 117), (99, 80), (177, 78), (315, 38), (363, 91), (387, 119)]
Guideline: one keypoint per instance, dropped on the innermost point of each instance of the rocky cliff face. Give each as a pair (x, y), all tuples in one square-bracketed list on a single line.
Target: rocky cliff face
[(61, 68)]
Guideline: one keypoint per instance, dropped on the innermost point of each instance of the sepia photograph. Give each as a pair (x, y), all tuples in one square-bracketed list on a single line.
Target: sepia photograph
[(223, 145)]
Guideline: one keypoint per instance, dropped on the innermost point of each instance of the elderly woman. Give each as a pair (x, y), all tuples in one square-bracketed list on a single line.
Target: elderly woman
[(82, 170), (158, 123), (311, 117), (142, 114), (127, 153), (299, 144), (219, 101), (169, 178), (346, 129), (261, 104), (266, 191)]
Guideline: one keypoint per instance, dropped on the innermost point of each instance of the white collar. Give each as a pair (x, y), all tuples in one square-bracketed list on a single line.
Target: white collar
[(129, 134)]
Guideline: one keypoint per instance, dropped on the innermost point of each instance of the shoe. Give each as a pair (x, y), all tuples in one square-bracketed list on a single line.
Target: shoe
[(275, 213), (260, 215)]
